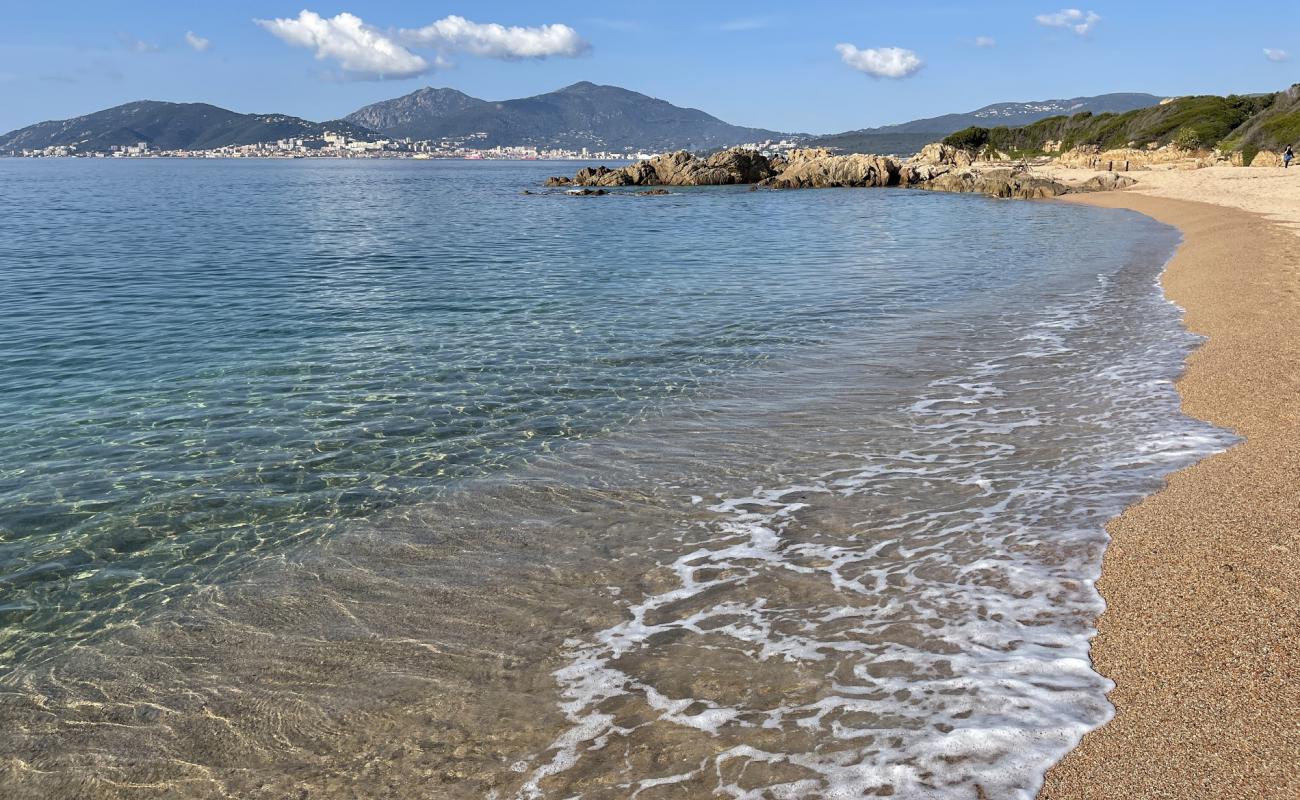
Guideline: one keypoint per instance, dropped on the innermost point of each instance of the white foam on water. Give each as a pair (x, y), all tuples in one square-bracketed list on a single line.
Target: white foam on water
[(944, 629)]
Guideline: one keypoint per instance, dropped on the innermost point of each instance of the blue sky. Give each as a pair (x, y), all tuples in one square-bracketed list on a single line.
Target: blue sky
[(815, 66)]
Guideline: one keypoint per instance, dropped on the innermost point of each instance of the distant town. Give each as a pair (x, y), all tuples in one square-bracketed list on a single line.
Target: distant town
[(338, 145)]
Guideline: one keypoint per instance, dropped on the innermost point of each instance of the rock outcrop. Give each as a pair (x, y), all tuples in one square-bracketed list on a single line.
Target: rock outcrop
[(937, 167), (727, 168), (1105, 182), (1005, 183), (816, 169), (1132, 158), (1266, 158), (933, 161)]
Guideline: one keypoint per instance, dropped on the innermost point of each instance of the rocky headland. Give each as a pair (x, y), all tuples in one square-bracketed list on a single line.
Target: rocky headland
[(938, 167)]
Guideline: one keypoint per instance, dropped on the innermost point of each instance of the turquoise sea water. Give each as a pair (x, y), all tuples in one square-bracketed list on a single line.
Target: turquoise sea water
[(211, 368)]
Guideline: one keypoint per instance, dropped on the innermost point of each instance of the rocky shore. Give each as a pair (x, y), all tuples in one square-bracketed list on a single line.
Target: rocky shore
[(938, 167)]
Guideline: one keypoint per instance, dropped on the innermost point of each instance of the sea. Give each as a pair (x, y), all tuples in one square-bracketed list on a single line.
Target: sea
[(370, 478)]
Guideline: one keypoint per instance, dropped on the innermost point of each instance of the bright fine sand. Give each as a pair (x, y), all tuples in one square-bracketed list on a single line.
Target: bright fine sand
[(1202, 580)]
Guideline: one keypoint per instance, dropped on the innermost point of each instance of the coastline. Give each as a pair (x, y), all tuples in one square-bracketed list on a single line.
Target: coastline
[(1200, 634)]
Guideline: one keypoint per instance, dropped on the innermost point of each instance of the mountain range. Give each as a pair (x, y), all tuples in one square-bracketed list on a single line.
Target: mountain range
[(917, 133), (582, 115), (170, 126)]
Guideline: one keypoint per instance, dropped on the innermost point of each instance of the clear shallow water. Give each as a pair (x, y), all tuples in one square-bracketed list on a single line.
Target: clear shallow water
[(797, 493)]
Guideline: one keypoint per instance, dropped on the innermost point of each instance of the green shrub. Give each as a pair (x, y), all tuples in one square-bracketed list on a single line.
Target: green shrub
[(1284, 129), (973, 138), (1234, 122), (1188, 139)]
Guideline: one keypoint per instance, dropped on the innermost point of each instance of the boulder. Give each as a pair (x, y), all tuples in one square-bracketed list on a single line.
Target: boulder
[(559, 180), (943, 155), (1004, 183), (827, 171), (742, 166), (1266, 158), (590, 176), (935, 160), (1105, 182), (808, 154), (729, 167)]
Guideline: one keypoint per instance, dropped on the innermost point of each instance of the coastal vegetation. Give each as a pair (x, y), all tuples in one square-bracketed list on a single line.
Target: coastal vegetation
[(1236, 123)]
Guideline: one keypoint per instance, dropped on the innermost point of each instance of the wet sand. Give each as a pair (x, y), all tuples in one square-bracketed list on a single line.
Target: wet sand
[(1202, 580)]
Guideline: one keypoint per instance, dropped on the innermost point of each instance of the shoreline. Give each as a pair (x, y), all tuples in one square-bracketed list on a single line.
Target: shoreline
[(1200, 633)]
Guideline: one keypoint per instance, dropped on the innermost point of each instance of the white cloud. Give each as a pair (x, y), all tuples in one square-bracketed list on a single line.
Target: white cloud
[(1276, 56), (359, 49), (496, 41), (1076, 20), (985, 41), (886, 62), (363, 51), (196, 42), (137, 45)]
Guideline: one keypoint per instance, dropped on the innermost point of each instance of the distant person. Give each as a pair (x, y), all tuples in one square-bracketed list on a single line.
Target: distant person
[(1287, 155)]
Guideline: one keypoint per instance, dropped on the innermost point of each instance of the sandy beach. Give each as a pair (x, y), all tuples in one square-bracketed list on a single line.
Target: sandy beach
[(1201, 635)]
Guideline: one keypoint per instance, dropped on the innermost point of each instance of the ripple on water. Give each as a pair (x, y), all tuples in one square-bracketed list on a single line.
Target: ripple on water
[(382, 496)]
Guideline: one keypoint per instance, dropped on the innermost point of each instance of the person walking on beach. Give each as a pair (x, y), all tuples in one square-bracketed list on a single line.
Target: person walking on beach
[(1287, 155)]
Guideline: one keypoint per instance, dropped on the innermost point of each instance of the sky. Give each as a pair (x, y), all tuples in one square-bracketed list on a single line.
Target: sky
[(817, 66)]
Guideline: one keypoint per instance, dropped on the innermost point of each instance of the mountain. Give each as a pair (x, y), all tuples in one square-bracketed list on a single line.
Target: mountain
[(407, 116), (581, 115), (917, 133), (170, 126)]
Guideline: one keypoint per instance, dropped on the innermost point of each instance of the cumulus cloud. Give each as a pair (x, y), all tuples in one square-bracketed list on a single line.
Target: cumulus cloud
[(886, 62), (496, 41), (359, 49), (196, 42), (1081, 22), (363, 51), (985, 41), (1276, 56)]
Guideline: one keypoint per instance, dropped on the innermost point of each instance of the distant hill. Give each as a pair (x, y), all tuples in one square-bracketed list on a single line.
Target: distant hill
[(1237, 123), (581, 115), (170, 126), (911, 136), (412, 114)]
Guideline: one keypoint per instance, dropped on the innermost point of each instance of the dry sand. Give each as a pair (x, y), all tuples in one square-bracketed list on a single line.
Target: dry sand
[(1202, 580), (1273, 193)]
